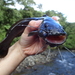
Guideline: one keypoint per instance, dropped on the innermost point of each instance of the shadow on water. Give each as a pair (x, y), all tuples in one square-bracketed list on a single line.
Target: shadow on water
[(56, 67)]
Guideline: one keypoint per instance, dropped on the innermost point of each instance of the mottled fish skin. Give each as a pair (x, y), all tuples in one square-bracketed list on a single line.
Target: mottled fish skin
[(50, 27), (47, 27)]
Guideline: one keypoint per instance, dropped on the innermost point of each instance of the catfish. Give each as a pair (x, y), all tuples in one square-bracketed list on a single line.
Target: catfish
[(49, 30)]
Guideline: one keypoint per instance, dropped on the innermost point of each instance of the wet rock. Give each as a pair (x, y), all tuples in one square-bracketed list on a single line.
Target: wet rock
[(44, 57), (73, 50), (52, 74)]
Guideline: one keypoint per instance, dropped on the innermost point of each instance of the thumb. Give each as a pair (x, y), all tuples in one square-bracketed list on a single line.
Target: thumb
[(33, 25)]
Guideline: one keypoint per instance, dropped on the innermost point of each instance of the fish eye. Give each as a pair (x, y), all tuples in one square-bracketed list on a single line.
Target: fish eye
[(46, 24)]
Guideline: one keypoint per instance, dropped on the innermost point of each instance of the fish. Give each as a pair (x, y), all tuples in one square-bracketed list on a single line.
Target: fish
[(49, 30)]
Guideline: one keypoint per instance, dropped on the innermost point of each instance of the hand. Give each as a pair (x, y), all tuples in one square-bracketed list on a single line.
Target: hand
[(27, 45), (32, 44)]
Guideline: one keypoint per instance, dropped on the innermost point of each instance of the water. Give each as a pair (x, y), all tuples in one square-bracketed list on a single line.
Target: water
[(56, 67)]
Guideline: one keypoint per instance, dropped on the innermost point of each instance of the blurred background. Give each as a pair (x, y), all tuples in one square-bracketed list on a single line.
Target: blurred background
[(12, 11)]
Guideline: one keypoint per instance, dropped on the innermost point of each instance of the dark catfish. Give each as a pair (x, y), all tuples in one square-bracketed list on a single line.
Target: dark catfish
[(49, 30)]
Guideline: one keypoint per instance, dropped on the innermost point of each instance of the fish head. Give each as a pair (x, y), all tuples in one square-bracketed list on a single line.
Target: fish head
[(52, 32)]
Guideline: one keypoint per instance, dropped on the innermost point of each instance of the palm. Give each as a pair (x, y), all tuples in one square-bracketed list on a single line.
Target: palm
[(32, 44)]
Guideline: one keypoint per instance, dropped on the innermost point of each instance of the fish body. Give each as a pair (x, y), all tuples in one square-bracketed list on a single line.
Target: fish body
[(51, 31)]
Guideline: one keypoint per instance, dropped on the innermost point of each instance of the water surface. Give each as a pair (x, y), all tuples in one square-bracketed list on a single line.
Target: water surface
[(64, 66)]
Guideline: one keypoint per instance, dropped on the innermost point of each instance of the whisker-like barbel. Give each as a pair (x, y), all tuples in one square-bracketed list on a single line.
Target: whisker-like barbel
[(48, 54), (60, 54), (69, 50)]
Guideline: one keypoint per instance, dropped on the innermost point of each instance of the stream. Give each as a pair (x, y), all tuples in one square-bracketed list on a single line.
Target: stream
[(60, 66)]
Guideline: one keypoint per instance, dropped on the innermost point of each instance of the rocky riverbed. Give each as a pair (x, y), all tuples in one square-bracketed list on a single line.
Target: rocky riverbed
[(42, 58), (64, 65)]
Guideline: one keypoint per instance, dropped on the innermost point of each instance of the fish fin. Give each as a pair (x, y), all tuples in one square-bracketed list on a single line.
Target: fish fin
[(32, 33)]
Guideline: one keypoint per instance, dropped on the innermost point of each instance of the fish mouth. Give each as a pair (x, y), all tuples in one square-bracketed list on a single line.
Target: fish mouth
[(55, 39)]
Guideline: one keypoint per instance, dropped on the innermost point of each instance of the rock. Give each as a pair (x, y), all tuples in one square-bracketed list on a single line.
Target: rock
[(73, 50), (44, 57), (52, 74)]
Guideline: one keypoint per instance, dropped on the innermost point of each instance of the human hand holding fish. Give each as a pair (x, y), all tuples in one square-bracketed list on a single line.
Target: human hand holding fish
[(21, 49), (28, 44)]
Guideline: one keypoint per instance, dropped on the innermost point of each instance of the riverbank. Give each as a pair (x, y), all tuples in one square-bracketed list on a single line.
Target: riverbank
[(58, 66), (42, 58)]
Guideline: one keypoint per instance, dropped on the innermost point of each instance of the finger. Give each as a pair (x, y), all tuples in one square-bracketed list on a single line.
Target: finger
[(25, 40), (33, 26)]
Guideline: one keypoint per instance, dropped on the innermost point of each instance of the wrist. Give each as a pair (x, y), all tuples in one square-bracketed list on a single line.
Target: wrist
[(17, 48), (14, 57)]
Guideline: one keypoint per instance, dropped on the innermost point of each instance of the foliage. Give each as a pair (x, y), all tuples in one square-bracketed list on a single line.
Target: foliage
[(70, 29), (6, 2), (39, 6), (9, 16), (37, 13), (26, 2)]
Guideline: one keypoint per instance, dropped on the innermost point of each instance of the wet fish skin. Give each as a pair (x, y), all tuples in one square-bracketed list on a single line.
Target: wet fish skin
[(43, 31), (50, 27), (15, 31)]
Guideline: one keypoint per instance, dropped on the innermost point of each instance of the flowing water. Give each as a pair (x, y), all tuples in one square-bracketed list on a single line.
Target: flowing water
[(64, 66)]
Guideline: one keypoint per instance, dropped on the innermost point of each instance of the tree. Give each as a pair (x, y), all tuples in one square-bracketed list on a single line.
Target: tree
[(26, 2), (37, 13), (6, 2), (39, 6), (51, 13), (70, 29)]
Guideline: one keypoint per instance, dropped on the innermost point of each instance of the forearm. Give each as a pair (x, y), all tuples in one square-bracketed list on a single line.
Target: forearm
[(25, 46), (12, 60)]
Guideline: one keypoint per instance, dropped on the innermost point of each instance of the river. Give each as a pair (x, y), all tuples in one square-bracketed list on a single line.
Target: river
[(64, 65)]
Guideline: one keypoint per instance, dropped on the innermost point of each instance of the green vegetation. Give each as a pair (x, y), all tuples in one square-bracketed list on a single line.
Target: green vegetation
[(9, 16)]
